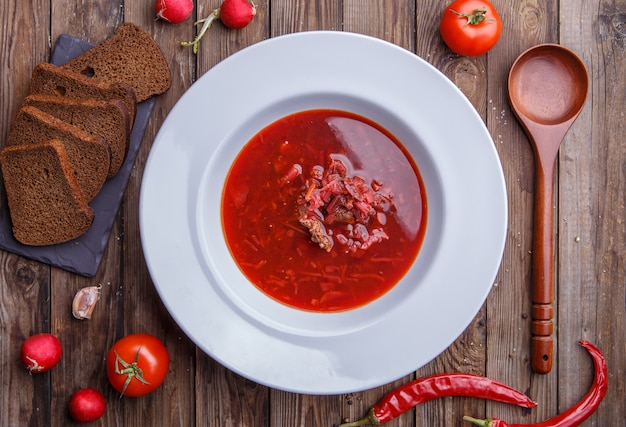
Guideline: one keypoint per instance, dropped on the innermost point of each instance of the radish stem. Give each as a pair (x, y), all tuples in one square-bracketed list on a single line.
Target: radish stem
[(206, 24)]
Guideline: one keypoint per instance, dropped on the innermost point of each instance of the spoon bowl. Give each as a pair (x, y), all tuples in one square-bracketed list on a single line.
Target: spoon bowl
[(547, 88), (548, 85)]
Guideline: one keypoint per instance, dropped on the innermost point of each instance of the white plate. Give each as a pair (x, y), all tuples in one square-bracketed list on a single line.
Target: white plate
[(323, 353)]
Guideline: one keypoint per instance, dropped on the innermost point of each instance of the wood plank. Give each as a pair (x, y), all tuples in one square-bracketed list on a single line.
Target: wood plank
[(143, 310), (526, 23), (86, 341), (227, 399), (92, 21), (24, 284), (391, 24), (592, 234), (180, 385), (290, 409), (220, 42), (289, 16), (25, 291), (248, 404), (294, 16), (467, 353)]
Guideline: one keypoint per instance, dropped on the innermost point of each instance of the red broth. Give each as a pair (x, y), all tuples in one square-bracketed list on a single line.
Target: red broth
[(260, 211)]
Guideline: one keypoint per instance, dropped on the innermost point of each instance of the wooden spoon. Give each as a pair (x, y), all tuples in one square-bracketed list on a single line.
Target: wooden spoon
[(547, 89)]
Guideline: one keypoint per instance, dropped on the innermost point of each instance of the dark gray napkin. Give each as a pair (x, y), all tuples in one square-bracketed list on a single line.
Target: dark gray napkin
[(83, 255)]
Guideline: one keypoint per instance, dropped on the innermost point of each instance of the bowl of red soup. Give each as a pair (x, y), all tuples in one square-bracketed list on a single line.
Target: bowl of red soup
[(324, 210), (346, 195)]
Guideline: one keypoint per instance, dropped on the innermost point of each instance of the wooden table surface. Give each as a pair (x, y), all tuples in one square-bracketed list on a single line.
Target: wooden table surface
[(589, 216)]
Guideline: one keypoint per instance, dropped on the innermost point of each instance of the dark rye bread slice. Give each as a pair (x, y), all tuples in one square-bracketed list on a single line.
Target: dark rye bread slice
[(108, 119), (131, 56), (88, 154), (45, 201), (48, 79)]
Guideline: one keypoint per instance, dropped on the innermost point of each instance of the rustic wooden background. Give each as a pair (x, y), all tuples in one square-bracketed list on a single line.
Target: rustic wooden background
[(590, 218)]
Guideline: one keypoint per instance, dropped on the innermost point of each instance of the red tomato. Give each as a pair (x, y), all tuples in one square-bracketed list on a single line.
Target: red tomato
[(137, 364), (470, 27), (41, 352), (87, 405)]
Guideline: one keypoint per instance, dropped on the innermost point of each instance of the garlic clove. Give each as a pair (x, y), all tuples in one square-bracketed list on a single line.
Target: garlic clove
[(85, 301)]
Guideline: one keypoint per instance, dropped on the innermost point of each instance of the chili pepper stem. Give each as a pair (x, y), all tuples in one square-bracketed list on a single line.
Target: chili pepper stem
[(481, 423), (369, 419)]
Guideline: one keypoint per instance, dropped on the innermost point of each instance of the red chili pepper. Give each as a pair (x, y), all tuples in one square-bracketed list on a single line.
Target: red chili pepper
[(428, 388), (577, 413)]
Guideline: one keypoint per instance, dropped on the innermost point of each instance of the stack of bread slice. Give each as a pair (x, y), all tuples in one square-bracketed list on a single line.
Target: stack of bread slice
[(72, 133)]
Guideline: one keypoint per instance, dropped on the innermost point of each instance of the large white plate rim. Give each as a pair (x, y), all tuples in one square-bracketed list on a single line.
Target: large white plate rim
[(402, 340)]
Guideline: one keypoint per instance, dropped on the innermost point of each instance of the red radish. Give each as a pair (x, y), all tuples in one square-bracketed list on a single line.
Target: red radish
[(174, 11), (234, 14), (87, 405), (41, 352)]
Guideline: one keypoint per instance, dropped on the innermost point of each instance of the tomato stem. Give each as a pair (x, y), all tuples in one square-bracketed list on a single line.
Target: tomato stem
[(474, 18), (129, 369)]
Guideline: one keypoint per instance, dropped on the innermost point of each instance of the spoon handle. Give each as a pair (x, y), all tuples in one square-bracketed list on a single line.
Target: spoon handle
[(543, 272)]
